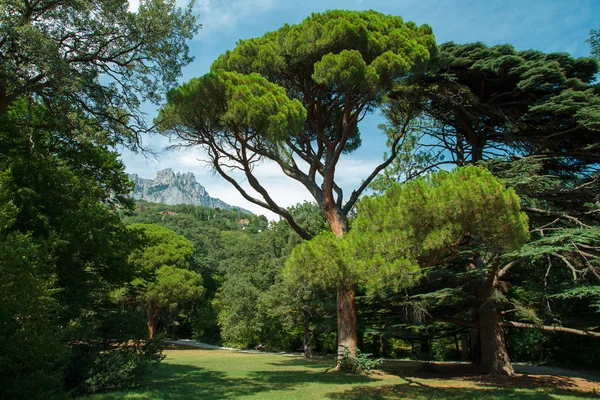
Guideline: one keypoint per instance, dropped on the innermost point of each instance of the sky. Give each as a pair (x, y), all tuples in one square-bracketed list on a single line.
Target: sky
[(546, 25)]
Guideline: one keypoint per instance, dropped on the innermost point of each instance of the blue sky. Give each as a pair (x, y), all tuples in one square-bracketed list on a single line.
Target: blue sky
[(549, 26)]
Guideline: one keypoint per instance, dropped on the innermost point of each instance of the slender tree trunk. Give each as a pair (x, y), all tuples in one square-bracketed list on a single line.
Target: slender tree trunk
[(153, 313), (308, 350), (494, 357), (464, 347), (381, 341), (475, 347)]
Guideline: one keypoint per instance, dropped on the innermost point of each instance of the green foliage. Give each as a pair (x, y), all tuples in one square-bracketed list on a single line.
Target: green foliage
[(360, 363), (594, 41), (174, 286), (64, 247), (124, 367), (591, 292), (522, 102), (33, 353), (425, 221), (240, 104), (338, 49), (57, 53), (319, 262), (164, 279), (250, 269), (163, 247)]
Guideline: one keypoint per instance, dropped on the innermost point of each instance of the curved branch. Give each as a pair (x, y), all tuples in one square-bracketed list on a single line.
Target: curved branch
[(356, 193)]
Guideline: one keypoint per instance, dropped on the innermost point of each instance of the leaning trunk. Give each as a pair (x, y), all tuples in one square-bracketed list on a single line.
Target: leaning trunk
[(494, 357)]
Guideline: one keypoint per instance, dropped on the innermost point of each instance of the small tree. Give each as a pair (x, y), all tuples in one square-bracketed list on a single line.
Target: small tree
[(164, 279)]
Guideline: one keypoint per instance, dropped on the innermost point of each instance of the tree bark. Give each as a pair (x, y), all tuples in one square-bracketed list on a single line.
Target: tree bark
[(494, 357), (346, 312), (152, 314), (346, 316)]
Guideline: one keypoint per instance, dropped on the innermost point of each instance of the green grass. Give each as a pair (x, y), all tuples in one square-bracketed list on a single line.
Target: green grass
[(213, 374)]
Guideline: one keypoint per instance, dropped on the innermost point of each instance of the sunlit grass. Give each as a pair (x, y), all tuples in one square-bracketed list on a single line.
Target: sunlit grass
[(215, 374)]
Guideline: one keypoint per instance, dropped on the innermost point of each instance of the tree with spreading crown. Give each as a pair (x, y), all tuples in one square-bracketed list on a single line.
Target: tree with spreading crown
[(295, 97)]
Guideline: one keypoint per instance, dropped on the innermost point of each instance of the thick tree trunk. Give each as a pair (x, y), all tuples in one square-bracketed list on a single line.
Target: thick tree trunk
[(153, 313), (346, 313), (475, 347), (346, 316), (494, 357)]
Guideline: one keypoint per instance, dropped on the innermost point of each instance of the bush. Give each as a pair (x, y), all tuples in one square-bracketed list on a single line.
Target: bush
[(106, 367), (359, 363), (124, 367)]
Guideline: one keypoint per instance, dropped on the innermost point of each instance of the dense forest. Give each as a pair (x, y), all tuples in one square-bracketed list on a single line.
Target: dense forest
[(476, 238)]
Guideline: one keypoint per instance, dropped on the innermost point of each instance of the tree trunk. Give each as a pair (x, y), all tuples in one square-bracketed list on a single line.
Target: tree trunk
[(346, 313), (464, 347), (494, 357), (346, 316), (381, 341), (153, 313), (475, 347), (308, 351)]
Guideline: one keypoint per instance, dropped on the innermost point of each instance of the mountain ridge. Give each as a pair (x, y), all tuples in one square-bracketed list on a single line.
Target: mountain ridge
[(172, 188)]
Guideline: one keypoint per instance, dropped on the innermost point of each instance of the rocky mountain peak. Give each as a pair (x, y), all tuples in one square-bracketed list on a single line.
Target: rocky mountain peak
[(175, 188)]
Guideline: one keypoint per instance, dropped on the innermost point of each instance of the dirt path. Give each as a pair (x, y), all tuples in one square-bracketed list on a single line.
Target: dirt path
[(553, 371), (193, 343)]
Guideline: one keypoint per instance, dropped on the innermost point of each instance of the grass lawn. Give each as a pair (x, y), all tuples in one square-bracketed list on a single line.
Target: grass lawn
[(217, 374)]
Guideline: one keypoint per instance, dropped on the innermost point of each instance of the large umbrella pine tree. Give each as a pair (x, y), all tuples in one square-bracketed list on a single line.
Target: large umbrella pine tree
[(295, 96)]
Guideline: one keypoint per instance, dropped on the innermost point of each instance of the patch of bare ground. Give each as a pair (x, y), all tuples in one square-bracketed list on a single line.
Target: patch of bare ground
[(456, 376)]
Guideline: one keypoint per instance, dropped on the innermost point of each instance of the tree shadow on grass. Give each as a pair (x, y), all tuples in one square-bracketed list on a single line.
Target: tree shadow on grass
[(418, 390), (289, 379), (312, 363), (179, 382)]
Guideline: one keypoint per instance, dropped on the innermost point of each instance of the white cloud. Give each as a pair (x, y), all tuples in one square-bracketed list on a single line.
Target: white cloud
[(224, 16)]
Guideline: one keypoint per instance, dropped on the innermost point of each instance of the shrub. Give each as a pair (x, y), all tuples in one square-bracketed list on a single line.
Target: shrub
[(103, 367), (359, 363), (125, 366)]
